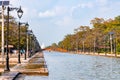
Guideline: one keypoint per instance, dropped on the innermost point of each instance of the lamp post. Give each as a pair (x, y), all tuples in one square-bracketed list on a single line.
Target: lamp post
[(27, 25), (111, 41), (19, 13), (30, 41), (33, 42), (7, 69), (29, 32), (2, 47), (27, 43), (3, 4), (7, 41)]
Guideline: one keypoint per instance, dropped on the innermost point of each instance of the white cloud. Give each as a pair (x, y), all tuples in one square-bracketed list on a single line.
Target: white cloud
[(32, 13), (101, 2), (86, 5), (83, 5), (104, 10), (66, 21), (60, 10), (47, 14), (53, 12), (109, 10)]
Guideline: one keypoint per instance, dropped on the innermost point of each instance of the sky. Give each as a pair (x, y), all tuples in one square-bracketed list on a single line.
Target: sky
[(51, 20)]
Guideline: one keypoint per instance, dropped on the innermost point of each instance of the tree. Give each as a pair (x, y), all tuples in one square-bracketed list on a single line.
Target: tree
[(96, 37), (13, 30)]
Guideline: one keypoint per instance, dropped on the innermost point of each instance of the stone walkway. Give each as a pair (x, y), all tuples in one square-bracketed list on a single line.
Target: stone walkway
[(35, 65), (9, 75)]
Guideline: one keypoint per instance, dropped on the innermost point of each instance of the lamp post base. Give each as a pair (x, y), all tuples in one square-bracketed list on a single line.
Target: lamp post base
[(7, 69), (19, 62)]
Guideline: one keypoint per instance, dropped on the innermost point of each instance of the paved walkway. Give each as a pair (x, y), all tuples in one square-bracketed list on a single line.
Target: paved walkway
[(35, 65), (9, 75)]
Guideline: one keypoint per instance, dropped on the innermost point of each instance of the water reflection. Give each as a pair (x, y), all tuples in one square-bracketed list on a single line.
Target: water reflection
[(79, 67)]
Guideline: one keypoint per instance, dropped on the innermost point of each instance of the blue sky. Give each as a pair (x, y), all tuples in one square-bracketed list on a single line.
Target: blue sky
[(51, 20)]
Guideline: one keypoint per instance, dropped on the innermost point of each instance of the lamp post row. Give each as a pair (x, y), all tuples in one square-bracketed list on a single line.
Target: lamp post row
[(26, 24)]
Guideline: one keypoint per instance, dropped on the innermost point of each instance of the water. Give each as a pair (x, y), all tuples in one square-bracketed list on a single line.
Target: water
[(63, 66)]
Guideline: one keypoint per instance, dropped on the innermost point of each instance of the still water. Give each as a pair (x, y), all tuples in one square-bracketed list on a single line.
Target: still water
[(64, 66)]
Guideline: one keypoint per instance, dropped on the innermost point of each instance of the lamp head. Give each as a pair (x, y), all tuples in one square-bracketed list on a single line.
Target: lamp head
[(20, 12), (27, 24)]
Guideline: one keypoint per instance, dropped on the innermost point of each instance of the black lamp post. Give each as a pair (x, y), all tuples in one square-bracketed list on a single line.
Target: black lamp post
[(30, 42), (29, 32), (7, 33), (27, 25), (19, 13), (7, 69)]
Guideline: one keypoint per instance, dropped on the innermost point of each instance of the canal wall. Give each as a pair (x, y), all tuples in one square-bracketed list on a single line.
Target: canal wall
[(96, 54)]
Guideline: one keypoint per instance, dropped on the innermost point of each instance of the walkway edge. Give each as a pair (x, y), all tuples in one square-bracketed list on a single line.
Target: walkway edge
[(9, 75)]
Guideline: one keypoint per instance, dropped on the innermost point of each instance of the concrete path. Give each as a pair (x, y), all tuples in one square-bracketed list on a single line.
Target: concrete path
[(35, 65), (9, 75)]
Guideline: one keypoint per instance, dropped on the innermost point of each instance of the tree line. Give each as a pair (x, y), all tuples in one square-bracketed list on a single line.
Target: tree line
[(103, 36), (13, 33)]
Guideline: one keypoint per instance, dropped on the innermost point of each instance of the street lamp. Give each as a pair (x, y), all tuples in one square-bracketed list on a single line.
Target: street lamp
[(3, 4), (7, 33), (33, 42), (27, 25), (29, 32), (19, 13)]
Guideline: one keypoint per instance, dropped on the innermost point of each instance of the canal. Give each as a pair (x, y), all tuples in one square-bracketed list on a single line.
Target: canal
[(64, 66)]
